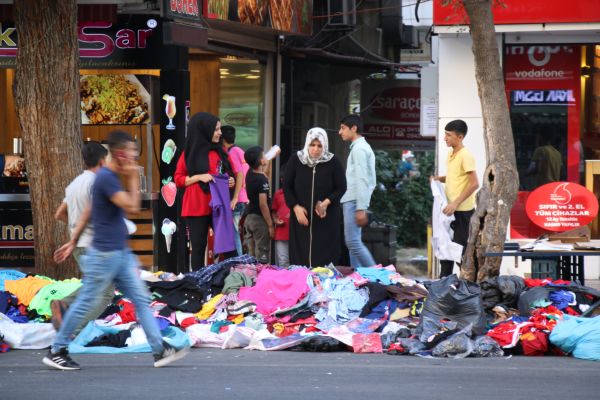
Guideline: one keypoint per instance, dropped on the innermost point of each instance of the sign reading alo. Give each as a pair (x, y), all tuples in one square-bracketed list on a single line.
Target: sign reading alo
[(561, 206)]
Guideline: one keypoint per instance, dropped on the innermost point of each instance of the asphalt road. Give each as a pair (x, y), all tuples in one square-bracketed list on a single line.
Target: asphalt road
[(249, 375)]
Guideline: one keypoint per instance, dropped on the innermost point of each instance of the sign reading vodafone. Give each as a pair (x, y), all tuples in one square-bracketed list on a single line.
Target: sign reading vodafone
[(561, 206), (542, 64)]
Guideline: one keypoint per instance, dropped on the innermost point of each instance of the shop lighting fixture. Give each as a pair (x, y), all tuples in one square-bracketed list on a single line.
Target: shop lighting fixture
[(255, 70), (252, 77)]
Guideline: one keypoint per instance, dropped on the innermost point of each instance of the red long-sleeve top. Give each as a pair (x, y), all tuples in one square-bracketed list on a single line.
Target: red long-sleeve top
[(196, 203)]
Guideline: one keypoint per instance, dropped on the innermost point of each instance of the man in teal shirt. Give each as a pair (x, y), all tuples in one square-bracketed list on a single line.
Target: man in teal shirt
[(360, 178)]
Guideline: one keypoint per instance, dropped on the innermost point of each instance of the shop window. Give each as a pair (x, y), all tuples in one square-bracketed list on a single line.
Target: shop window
[(241, 99), (554, 98)]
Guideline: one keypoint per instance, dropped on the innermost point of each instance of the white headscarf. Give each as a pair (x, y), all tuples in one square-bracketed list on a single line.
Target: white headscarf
[(304, 155)]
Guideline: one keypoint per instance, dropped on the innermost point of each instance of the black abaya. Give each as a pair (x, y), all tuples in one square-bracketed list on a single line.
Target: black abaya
[(319, 243)]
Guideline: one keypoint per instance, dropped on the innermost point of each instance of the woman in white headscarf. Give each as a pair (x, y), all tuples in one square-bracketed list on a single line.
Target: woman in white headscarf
[(313, 185)]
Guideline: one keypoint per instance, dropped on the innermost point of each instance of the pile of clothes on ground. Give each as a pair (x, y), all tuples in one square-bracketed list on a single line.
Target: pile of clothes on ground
[(240, 303)]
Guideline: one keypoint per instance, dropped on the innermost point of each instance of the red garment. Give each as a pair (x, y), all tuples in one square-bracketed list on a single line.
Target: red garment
[(127, 312), (195, 200), (530, 282), (282, 232), (534, 343)]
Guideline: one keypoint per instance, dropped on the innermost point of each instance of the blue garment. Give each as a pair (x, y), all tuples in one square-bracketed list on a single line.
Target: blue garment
[(222, 216), (579, 336), (561, 298), (383, 310), (360, 174), (204, 275), (172, 335), (359, 254), (10, 275), (237, 216), (110, 231), (376, 275), (100, 269)]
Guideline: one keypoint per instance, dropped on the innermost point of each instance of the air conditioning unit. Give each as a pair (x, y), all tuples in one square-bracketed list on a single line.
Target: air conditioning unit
[(341, 13)]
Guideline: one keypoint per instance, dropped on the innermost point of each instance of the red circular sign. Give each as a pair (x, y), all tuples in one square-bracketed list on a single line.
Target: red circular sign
[(561, 206)]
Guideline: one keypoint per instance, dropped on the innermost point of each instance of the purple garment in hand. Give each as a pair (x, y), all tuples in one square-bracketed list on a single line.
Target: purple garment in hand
[(222, 215)]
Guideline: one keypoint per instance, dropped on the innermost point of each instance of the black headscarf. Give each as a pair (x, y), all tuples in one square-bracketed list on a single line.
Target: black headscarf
[(201, 129)]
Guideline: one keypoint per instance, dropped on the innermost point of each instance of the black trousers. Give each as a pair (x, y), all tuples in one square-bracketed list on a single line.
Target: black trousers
[(198, 227), (460, 226)]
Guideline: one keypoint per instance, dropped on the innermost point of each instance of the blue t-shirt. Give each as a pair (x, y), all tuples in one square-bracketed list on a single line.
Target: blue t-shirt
[(110, 231)]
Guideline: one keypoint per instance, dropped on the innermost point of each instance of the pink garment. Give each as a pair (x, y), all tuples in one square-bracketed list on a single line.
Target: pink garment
[(236, 155), (276, 289)]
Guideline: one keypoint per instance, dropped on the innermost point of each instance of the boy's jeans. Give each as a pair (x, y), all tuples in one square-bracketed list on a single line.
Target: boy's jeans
[(359, 254), (101, 269), (238, 211)]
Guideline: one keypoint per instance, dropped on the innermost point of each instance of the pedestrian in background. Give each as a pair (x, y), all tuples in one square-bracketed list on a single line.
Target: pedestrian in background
[(258, 226), (109, 259), (77, 201), (460, 185), (361, 181), (203, 156), (281, 219), (236, 154), (313, 186)]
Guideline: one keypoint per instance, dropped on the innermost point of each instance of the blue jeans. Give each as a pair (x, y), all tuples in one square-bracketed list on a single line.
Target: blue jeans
[(101, 269), (360, 256), (238, 211)]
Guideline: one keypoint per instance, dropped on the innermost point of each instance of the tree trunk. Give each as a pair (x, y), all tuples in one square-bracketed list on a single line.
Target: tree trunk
[(497, 195), (46, 91)]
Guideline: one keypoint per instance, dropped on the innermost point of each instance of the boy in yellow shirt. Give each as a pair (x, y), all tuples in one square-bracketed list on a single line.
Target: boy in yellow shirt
[(460, 183)]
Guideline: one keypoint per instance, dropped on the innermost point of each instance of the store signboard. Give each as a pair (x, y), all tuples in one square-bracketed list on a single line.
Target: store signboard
[(187, 10), (16, 237), (391, 111), (523, 12), (540, 66), (133, 42), (542, 98), (561, 206), (286, 16)]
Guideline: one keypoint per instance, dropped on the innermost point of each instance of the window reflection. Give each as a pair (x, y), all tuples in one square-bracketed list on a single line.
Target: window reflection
[(241, 100)]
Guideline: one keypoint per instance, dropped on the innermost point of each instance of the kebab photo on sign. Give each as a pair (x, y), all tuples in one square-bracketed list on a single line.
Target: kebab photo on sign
[(281, 14), (113, 99), (253, 12)]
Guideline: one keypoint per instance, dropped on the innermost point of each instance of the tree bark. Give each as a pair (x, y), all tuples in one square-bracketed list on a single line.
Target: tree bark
[(46, 91), (496, 197)]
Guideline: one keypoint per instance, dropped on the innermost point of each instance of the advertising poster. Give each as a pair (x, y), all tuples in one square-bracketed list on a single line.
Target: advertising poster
[(294, 16), (561, 206), (115, 99)]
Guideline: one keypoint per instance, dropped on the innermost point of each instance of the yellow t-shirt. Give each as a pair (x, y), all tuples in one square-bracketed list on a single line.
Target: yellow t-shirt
[(459, 164)]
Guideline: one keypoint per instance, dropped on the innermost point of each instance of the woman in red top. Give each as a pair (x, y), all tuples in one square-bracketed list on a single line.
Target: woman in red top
[(203, 156)]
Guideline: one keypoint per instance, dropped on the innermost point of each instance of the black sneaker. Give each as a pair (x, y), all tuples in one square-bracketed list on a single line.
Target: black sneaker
[(60, 360), (169, 355)]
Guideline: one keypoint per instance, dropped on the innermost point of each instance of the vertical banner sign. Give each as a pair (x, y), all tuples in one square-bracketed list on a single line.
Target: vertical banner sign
[(175, 92)]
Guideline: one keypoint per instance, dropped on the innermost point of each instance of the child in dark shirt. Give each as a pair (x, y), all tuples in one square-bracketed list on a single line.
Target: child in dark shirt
[(258, 226)]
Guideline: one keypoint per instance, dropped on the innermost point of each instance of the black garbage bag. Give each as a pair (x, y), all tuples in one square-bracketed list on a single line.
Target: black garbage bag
[(452, 299), (413, 346), (485, 346), (534, 294), (392, 337), (502, 290), (458, 345), (320, 344)]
